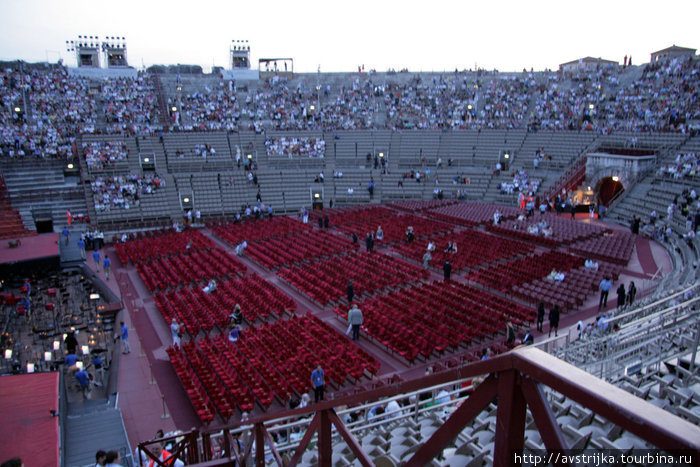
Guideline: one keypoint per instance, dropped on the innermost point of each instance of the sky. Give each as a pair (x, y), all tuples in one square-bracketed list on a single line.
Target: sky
[(339, 36)]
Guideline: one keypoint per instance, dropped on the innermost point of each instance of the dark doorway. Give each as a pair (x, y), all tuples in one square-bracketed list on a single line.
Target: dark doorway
[(608, 188), (44, 226)]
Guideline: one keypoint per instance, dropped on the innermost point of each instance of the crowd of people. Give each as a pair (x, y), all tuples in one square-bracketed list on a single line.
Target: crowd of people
[(123, 191), (45, 108), (130, 105), (100, 155), (684, 165), (41, 112), (521, 183), (210, 109), (296, 146)]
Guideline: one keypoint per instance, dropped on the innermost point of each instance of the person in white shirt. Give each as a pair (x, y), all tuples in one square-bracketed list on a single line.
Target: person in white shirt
[(380, 233), (175, 332), (210, 288)]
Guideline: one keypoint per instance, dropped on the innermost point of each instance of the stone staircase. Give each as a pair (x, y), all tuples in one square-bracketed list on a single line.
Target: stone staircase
[(38, 190), (93, 425)]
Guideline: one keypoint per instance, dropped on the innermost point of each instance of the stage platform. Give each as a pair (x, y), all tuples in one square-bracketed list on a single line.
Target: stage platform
[(32, 248), (28, 430)]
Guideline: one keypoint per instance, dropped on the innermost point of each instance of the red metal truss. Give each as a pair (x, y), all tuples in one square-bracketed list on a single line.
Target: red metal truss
[(515, 379)]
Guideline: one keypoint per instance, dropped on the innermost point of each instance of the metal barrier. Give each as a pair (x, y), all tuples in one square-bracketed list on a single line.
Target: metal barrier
[(516, 378), (553, 344)]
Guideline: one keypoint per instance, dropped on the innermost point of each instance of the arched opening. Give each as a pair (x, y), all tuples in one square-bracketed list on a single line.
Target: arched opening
[(607, 188)]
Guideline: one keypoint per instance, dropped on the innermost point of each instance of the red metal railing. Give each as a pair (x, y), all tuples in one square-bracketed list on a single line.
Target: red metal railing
[(516, 379), (570, 179)]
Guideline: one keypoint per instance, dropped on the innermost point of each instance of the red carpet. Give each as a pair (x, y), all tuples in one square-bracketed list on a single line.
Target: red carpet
[(163, 371), (28, 430), (646, 258)]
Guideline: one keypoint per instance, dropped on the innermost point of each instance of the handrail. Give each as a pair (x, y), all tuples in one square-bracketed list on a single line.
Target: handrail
[(551, 342), (515, 378)]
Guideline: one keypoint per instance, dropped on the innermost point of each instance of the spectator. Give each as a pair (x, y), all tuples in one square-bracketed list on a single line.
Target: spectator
[(554, 320), (605, 286), (317, 382)]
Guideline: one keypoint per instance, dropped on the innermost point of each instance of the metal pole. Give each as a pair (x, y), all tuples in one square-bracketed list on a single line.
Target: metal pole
[(695, 352)]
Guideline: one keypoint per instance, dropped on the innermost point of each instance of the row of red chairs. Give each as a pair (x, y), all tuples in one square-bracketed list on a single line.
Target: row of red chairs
[(271, 361), (169, 243), (191, 318), (198, 310), (511, 229), (235, 233), (473, 213), (570, 293), (413, 206), (427, 318), (315, 330), (247, 385), (395, 227), (351, 214), (564, 231), (212, 383), (299, 247), (188, 268), (616, 247), (516, 272), (474, 248), (326, 281), (195, 391)]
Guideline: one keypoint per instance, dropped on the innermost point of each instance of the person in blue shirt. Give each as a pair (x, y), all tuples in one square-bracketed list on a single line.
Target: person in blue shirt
[(125, 338), (96, 361), (84, 381), (317, 383), (605, 286), (66, 234), (106, 263), (71, 359), (234, 334), (98, 364), (81, 246), (96, 257)]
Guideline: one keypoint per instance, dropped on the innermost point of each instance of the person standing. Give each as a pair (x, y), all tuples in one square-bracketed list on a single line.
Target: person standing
[(510, 333), (106, 264), (175, 332), (447, 270), (125, 338), (96, 258), (426, 260), (81, 246), (540, 317), (351, 291), (71, 342), (317, 383), (605, 286), (66, 234), (554, 320), (355, 320), (621, 297), (631, 292)]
